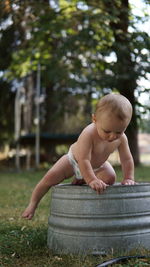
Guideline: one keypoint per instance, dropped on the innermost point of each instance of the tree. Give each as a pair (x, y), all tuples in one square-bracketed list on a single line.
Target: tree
[(62, 42), (125, 70), (6, 113), (131, 63), (73, 42), (6, 94)]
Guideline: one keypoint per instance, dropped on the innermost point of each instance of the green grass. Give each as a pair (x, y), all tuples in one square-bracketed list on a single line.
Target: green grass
[(23, 243)]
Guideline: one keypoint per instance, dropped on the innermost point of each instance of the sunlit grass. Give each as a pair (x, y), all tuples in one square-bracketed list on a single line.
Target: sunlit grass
[(24, 243)]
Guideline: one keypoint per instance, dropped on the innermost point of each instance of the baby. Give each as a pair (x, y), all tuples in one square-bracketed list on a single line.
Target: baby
[(87, 157)]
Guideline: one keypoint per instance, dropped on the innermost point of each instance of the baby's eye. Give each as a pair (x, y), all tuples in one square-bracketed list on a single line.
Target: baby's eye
[(106, 131)]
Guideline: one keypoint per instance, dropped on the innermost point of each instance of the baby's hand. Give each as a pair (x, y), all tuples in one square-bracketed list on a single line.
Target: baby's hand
[(29, 212), (128, 182), (98, 185)]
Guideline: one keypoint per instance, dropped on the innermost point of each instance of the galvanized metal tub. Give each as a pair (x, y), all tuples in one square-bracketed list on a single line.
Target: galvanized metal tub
[(82, 221)]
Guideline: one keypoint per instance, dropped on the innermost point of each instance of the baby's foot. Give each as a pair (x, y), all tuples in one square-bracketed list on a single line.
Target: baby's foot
[(29, 212), (78, 181)]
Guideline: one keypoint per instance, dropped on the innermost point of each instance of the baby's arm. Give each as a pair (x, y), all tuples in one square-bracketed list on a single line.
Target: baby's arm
[(89, 176), (127, 162), (84, 151)]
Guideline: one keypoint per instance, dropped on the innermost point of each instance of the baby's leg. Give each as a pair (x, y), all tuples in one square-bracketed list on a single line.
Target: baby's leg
[(61, 170), (106, 173)]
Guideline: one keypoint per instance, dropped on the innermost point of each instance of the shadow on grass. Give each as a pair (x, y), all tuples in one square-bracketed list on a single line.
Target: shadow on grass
[(27, 246), (21, 242), (12, 238)]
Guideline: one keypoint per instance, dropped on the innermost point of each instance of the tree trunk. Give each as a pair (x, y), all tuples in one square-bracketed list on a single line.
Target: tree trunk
[(124, 71), (28, 106)]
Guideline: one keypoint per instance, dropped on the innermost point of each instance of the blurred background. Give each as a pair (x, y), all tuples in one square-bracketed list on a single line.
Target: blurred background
[(57, 58)]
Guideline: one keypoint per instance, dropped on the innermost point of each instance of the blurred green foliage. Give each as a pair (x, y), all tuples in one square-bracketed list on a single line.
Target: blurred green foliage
[(85, 49)]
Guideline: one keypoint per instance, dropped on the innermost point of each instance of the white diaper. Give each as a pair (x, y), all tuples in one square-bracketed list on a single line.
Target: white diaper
[(74, 165)]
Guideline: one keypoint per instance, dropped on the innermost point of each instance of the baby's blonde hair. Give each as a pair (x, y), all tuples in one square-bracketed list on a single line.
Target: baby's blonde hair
[(116, 104)]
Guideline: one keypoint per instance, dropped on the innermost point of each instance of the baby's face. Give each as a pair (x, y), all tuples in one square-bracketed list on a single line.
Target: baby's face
[(109, 127)]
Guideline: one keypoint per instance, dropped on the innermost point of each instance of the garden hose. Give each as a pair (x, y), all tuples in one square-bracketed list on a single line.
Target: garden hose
[(121, 259)]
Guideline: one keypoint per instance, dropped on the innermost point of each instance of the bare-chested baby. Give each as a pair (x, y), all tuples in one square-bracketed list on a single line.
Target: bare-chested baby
[(87, 157)]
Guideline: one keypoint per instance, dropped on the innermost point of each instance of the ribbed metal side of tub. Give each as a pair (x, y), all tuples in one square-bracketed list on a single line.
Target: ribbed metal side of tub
[(82, 221)]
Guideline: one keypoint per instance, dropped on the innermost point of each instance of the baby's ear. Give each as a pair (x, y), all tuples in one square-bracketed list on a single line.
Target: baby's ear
[(93, 118)]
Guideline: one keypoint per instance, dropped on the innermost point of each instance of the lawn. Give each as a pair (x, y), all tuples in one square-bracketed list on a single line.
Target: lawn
[(23, 243)]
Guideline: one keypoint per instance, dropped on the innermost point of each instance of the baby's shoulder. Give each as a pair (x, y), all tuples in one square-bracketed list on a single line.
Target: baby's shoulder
[(89, 129), (87, 132), (123, 139)]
